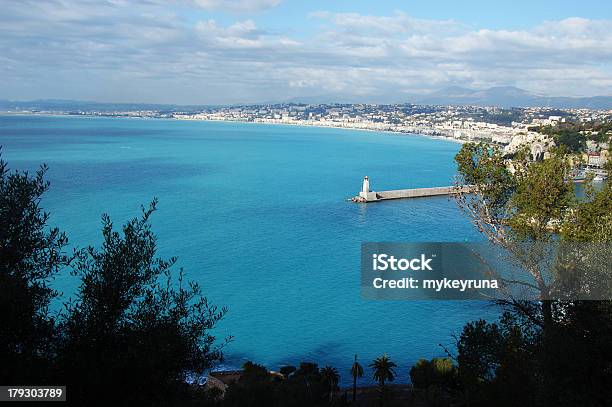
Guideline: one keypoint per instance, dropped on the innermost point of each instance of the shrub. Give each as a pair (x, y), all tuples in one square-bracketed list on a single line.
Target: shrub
[(436, 372)]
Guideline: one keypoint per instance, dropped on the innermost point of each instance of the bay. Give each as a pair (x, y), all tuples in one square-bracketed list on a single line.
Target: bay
[(257, 214)]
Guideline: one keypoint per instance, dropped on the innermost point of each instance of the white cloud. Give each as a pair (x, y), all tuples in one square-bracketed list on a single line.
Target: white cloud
[(146, 50), (396, 25), (234, 5)]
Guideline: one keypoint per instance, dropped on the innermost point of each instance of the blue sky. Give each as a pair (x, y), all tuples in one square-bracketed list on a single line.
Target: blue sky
[(483, 14), (247, 51)]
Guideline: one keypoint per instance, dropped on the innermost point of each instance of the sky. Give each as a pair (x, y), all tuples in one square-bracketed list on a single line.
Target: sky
[(261, 51)]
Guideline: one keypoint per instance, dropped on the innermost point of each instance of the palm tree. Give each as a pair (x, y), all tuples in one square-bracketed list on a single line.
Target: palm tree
[(330, 374), (356, 371), (383, 369)]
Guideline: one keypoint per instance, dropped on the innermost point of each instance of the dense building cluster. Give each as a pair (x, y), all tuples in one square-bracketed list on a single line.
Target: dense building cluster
[(491, 124)]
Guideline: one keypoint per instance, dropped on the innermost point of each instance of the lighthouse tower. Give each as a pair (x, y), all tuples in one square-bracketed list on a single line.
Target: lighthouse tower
[(366, 185), (365, 192)]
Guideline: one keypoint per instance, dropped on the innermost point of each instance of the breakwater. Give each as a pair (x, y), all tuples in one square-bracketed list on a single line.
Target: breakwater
[(372, 196)]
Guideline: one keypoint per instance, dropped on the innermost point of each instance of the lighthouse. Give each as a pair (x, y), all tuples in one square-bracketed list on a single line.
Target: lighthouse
[(366, 185), (365, 195)]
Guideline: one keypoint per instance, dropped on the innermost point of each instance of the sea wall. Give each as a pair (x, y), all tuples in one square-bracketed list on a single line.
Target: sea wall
[(415, 193)]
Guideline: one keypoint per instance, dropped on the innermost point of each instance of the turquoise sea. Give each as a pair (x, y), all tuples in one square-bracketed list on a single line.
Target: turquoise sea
[(257, 215)]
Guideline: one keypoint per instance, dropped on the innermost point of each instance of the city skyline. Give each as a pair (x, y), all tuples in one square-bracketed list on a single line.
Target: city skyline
[(222, 52)]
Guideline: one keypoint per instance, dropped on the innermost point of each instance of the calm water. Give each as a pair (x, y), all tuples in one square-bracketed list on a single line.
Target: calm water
[(257, 215)]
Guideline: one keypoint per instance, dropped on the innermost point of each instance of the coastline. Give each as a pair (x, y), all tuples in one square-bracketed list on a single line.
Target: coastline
[(320, 126), (310, 124)]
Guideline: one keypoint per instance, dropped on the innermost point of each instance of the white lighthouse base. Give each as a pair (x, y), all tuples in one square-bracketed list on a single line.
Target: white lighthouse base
[(368, 196)]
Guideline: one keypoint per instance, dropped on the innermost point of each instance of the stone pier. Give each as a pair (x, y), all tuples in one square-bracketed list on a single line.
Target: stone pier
[(371, 196)]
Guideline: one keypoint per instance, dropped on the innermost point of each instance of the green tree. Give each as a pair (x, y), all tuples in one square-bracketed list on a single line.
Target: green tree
[(255, 387), (546, 347), (497, 358), (566, 135), (31, 254), (591, 219), (384, 369), (132, 327), (356, 372), (518, 206), (573, 140), (331, 376), (305, 387), (436, 372)]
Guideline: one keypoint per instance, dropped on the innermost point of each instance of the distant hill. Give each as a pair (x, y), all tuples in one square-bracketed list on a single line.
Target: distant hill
[(502, 96), (80, 105), (509, 96)]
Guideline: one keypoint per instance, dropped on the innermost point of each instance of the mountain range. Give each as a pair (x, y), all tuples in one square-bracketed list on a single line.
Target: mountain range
[(502, 96), (510, 96)]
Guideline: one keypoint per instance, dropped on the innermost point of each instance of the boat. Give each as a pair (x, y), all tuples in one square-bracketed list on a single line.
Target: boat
[(579, 176)]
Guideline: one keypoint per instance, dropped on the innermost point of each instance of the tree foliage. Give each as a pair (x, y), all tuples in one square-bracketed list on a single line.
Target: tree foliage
[(129, 306), (553, 350), (134, 330), (31, 254), (573, 136), (383, 369), (356, 373), (440, 372), (518, 205), (306, 386)]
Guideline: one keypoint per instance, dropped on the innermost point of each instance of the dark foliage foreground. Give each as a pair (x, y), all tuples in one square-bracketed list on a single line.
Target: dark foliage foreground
[(130, 335)]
